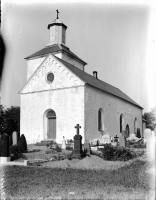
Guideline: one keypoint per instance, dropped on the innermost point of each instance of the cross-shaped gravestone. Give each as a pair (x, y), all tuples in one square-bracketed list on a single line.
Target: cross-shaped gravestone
[(77, 151), (77, 127), (57, 13), (116, 138)]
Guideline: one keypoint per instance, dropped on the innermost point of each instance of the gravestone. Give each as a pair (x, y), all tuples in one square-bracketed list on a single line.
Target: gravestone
[(14, 138), (105, 139), (147, 133), (77, 152), (122, 141), (4, 154), (87, 146), (63, 143), (116, 138)]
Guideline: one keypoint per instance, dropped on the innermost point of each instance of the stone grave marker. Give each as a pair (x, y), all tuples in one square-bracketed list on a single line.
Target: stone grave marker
[(77, 151), (63, 143), (105, 139), (116, 138), (122, 141), (4, 154), (87, 146), (147, 133), (14, 138)]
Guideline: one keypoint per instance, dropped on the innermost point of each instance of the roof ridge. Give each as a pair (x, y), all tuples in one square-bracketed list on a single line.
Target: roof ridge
[(117, 92)]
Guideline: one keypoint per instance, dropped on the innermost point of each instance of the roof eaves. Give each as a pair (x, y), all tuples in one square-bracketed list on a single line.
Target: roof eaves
[(97, 88)]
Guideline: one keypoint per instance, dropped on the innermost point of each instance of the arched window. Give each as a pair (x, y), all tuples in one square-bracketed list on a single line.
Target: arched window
[(127, 130), (100, 120), (121, 123), (135, 126)]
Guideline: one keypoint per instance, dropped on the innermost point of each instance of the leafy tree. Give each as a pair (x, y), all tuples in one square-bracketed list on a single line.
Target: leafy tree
[(10, 119), (150, 118)]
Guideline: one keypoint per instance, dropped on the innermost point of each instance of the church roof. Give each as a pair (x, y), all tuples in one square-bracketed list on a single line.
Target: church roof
[(96, 83), (54, 49)]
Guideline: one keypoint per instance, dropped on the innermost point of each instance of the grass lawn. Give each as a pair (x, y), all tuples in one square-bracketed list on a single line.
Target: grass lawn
[(47, 183)]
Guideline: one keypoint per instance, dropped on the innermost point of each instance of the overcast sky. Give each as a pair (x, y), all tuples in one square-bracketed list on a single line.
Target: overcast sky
[(115, 39)]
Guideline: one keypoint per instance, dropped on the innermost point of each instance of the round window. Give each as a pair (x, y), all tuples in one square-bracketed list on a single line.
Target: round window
[(50, 77)]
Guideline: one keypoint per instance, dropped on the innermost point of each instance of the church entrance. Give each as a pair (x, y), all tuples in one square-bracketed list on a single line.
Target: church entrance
[(51, 125)]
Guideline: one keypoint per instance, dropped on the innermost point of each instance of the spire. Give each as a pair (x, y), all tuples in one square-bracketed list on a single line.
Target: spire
[(57, 31)]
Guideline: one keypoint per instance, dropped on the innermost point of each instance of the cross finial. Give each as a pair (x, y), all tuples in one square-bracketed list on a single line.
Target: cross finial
[(57, 13), (77, 127)]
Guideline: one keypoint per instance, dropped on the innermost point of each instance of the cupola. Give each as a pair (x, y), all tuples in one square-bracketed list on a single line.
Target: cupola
[(57, 31)]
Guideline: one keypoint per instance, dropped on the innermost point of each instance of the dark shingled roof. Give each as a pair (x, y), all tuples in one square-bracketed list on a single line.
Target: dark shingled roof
[(96, 83), (54, 49)]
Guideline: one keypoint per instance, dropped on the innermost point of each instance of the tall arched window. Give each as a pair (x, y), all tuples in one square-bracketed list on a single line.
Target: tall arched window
[(121, 123), (100, 120), (135, 126)]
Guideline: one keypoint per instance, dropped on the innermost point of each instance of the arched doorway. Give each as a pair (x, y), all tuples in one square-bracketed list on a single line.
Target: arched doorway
[(51, 124), (127, 130)]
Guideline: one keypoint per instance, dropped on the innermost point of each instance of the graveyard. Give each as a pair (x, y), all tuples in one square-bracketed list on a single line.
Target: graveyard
[(105, 168)]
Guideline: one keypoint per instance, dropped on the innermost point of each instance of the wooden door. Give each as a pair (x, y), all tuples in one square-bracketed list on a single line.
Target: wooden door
[(51, 128)]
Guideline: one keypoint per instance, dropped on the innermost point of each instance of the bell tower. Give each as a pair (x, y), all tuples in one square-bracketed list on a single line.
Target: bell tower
[(57, 31)]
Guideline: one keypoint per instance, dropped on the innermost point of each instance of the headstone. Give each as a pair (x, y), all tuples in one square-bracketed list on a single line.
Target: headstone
[(105, 139), (147, 133), (77, 152), (122, 141), (14, 138), (87, 147), (116, 138), (63, 143), (4, 154)]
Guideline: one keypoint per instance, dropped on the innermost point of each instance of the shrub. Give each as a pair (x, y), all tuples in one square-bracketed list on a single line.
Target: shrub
[(22, 144), (15, 153), (117, 153), (50, 151)]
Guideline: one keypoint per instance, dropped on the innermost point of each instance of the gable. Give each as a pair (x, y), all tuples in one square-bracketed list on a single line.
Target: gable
[(63, 77)]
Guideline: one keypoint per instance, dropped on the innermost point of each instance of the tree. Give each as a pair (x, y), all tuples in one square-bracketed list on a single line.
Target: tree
[(10, 119), (150, 118)]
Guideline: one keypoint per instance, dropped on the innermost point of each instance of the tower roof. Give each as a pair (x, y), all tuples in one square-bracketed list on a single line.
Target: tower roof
[(54, 49), (57, 22)]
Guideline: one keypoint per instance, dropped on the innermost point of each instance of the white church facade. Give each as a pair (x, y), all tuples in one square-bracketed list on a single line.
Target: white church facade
[(59, 94)]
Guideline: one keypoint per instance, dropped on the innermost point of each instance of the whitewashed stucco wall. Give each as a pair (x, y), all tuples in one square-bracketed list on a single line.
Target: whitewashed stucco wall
[(32, 65), (68, 105), (112, 107), (65, 95)]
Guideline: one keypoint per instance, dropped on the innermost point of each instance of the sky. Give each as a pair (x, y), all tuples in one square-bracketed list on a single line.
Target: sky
[(115, 38)]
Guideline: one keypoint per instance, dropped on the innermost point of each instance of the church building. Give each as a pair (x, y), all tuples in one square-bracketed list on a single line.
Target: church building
[(59, 94)]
